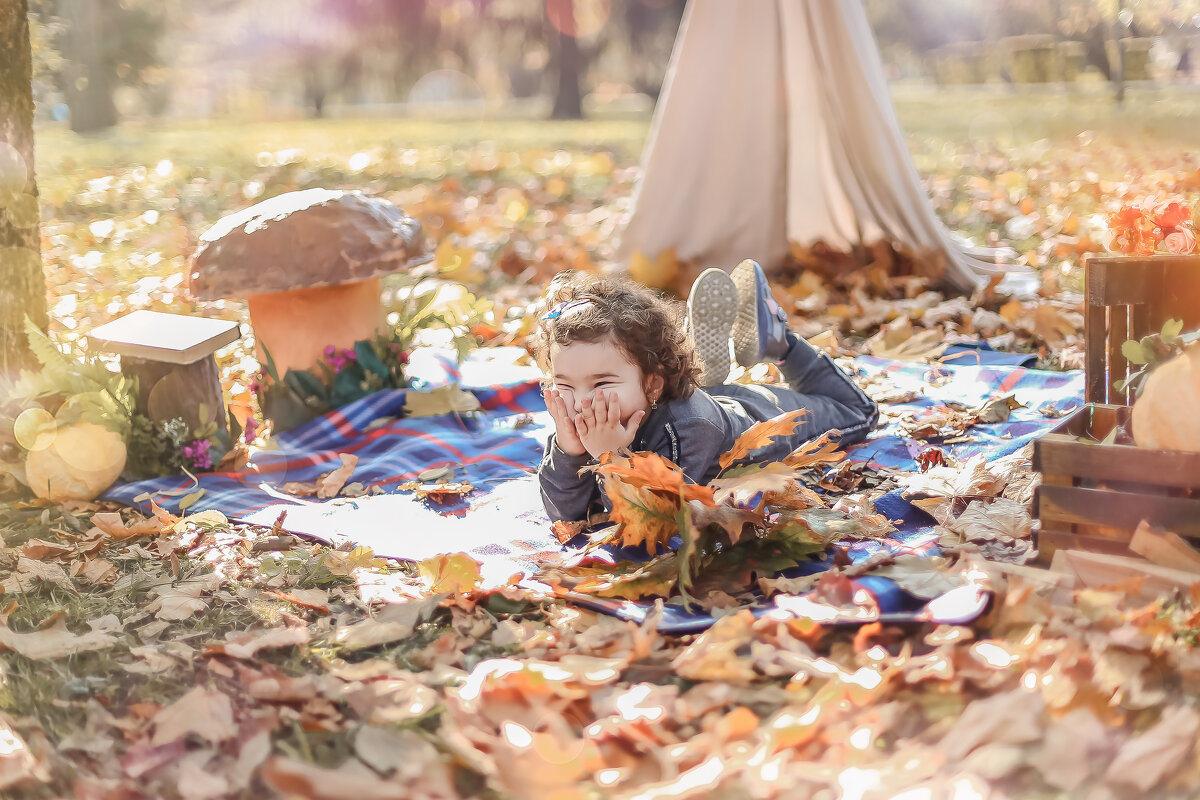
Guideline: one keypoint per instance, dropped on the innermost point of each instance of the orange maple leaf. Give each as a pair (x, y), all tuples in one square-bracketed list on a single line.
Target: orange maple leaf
[(760, 434), (822, 450)]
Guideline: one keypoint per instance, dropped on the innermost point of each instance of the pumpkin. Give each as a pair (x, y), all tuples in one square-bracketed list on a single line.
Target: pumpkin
[(81, 462), (1167, 414)]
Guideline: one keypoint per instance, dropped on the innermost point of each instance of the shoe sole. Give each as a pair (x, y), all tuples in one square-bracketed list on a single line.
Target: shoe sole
[(712, 307), (747, 347)]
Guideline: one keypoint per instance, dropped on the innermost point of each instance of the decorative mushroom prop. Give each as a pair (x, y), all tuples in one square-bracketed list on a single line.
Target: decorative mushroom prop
[(309, 264)]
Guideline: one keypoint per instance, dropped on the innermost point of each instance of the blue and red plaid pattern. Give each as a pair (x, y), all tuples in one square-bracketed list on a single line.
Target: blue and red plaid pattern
[(502, 523)]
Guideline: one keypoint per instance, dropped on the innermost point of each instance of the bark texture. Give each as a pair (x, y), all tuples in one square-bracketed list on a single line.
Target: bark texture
[(22, 282)]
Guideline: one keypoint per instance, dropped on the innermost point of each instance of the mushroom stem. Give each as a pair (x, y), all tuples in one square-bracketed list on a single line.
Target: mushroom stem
[(296, 326)]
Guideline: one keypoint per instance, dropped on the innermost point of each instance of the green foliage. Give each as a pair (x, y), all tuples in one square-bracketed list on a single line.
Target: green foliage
[(155, 449), (1152, 350), (79, 389)]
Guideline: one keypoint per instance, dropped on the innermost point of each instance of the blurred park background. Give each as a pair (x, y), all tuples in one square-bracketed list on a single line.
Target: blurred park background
[(512, 129)]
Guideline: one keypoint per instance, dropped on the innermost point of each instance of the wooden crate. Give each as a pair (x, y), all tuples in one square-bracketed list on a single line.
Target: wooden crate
[(1093, 495), (1128, 297)]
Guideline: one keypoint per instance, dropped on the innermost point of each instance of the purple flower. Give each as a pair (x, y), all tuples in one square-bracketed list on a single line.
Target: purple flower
[(198, 453), (251, 429)]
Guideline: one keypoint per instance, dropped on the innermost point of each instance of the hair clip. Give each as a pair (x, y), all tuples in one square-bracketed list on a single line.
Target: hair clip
[(563, 308)]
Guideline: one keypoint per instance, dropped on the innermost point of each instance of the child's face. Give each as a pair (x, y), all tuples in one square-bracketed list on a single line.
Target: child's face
[(587, 369)]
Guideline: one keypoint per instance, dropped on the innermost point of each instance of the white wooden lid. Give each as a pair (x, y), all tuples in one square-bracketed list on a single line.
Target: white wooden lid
[(157, 336)]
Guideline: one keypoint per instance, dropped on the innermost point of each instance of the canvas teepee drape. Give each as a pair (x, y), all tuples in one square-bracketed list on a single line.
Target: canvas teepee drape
[(775, 125)]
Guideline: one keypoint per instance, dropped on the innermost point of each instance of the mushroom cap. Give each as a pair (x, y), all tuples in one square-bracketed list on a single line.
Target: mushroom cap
[(305, 239)]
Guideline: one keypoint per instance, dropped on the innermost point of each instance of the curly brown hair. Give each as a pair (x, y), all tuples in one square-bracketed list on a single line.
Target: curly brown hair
[(645, 326)]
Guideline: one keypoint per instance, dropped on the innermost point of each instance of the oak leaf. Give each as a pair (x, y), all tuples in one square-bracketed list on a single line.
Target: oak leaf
[(761, 434), (744, 483), (825, 449)]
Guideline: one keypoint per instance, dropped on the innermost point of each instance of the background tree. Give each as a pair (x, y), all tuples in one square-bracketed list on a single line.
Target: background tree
[(94, 46), (22, 283)]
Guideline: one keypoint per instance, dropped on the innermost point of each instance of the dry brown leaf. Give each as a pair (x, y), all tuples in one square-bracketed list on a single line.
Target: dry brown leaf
[(1013, 717), (713, 656), (1000, 520), (38, 549), (1149, 758), (972, 479), (770, 478), (99, 571), (245, 645), (293, 778), (897, 341), (761, 434), (1075, 747), (30, 572), (732, 520), (183, 600), (395, 622), (329, 484), (54, 640), (204, 712), (111, 523), (313, 599)]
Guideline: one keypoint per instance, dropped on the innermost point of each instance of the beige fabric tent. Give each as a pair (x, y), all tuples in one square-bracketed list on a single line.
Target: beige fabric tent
[(775, 125)]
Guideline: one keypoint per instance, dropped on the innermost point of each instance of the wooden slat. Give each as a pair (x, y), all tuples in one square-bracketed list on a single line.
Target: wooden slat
[(1118, 332), (1061, 454), (1095, 331), (1119, 280), (1101, 569), (1050, 541), (1116, 509)]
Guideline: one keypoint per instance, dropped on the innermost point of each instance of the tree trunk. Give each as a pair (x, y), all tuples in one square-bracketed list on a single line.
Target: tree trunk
[(568, 100), (89, 79), (22, 282)]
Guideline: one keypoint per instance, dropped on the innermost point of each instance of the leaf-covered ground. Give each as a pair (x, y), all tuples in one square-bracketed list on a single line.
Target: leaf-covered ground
[(189, 658)]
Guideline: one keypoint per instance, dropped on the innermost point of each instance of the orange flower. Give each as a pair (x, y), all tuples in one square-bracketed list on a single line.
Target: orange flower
[(1169, 215)]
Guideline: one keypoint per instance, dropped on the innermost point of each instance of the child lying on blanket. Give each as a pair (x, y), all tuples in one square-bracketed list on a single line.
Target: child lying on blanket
[(623, 371)]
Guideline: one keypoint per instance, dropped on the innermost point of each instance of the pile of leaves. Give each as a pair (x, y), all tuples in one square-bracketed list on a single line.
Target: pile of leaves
[(192, 658)]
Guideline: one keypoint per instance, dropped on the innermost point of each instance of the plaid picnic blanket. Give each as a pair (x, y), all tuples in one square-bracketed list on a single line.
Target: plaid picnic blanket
[(502, 523)]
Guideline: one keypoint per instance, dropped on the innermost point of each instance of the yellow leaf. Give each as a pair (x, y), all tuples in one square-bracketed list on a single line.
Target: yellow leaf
[(455, 573), (457, 263), (442, 400), (660, 272)]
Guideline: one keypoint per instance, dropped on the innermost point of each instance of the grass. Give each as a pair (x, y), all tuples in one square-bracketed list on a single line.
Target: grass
[(958, 116)]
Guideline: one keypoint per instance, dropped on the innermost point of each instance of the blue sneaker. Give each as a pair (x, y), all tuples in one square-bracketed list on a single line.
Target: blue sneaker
[(712, 307), (760, 330)]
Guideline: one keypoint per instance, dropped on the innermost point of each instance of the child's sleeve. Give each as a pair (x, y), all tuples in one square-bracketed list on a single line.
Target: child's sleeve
[(566, 494)]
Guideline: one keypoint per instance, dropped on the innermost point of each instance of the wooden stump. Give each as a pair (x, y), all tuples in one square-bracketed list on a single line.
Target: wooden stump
[(171, 356)]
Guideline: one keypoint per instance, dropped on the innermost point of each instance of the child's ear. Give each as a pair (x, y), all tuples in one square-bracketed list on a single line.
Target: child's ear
[(654, 387)]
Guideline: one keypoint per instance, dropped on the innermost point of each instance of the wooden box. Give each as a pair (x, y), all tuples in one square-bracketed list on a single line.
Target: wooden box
[(1094, 494), (1128, 297)]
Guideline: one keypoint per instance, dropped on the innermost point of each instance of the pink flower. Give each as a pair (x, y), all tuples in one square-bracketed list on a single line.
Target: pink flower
[(197, 453), (1181, 242), (251, 429)]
